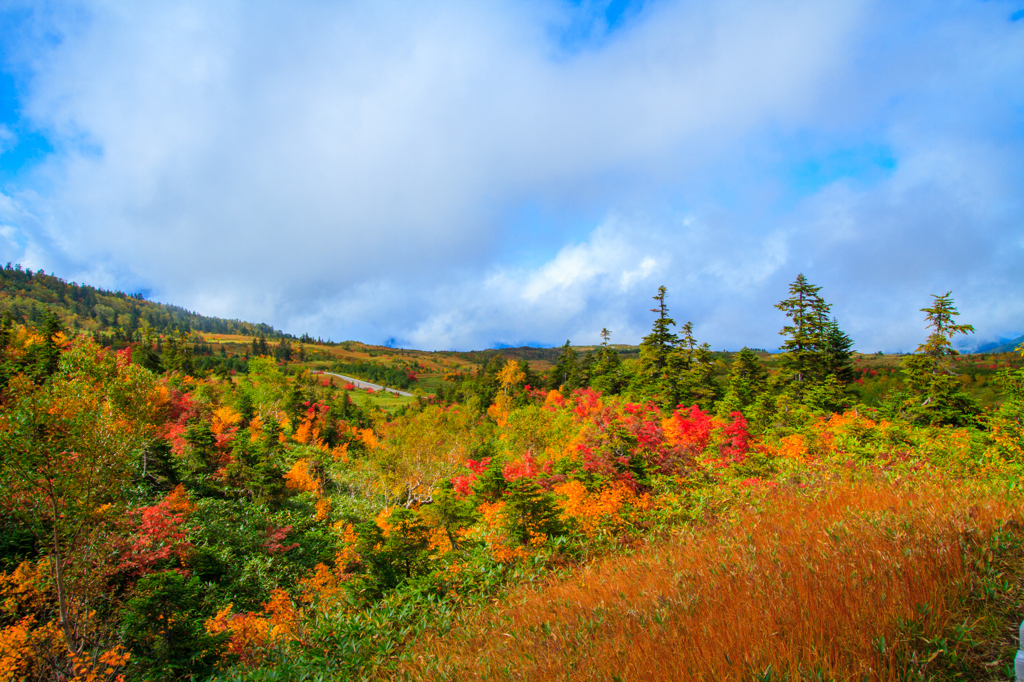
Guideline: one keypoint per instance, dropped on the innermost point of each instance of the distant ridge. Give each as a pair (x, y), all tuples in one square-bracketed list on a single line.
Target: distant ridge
[(28, 296), (1000, 346)]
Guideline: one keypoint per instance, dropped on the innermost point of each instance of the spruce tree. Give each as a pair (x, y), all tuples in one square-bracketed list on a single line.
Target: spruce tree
[(605, 374), (566, 373), (748, 381), (936, 395), (817, 355), (652, 380)]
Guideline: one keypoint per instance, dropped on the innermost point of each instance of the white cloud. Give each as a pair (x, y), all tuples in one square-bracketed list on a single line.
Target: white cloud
[(350, 169)]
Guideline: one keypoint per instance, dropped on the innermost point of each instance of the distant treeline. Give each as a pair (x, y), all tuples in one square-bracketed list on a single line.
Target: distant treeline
[(28, 296)]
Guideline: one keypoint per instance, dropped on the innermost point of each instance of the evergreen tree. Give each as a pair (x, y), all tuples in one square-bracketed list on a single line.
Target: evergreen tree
[(805, 340), (605, 374), (817, 358), (748, 381), (691, 372), (567, 372), (652, 379), (838, 355), (936, 396)]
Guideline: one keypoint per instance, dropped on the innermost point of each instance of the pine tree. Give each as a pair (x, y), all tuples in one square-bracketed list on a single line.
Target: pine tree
[(936, 396), (605, 374), (652, 379), (748, 380), (566, 373), (817, 360)]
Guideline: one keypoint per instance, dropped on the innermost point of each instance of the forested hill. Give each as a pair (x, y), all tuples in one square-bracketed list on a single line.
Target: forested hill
[(29, 295)]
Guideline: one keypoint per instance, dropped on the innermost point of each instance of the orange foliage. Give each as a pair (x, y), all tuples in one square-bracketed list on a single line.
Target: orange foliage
[(101, 669), (25, 588), (16, 649), (340, 453), (324, 584), (554, 399), (251, 635), (323, 509), (255, 429), (606, 509), (301, 478), (808, 588), (368, 438)]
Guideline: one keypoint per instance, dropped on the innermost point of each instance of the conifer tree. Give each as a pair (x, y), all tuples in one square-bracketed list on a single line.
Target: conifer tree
[(838, 355), (817, 359), (805, 333), (691, 370), (567, 372), (605, 375), (936, 396), (748, 380), (652, 379)]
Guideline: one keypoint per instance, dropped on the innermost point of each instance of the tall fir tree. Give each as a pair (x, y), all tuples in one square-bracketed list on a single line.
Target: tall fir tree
[(817, 355), (567, 373), (936, 396), (804, 335), (605, 371), (748, 381), (652, 380)]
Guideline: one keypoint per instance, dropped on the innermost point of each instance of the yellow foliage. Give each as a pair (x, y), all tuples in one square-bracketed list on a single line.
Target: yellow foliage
[(301, 478), (15, 650), (368, 438), (323, 509), (340, 453), (510, 375), (223, 419)]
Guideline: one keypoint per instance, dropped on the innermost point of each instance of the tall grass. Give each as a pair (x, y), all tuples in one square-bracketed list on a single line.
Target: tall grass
[(814, 587)]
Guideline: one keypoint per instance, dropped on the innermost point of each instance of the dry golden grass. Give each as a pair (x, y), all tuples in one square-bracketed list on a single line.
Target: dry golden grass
[(812, 588)]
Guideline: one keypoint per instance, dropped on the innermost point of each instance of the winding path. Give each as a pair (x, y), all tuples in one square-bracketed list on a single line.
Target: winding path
[(359, 383)]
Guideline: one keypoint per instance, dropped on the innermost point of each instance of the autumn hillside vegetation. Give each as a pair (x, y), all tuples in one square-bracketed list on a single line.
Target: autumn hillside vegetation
[(664, 515), (844, 582)]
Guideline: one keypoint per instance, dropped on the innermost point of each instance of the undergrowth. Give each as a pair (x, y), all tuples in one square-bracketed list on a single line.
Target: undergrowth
[(876, 582)]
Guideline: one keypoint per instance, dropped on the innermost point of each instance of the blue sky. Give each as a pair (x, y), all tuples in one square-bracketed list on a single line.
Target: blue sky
[(469, 174)]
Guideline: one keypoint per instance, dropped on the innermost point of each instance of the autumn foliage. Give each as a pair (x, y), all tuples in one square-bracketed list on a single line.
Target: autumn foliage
[(174, 525)]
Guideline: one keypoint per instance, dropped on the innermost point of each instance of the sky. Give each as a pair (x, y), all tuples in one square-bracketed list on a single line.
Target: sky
[(466, 175)]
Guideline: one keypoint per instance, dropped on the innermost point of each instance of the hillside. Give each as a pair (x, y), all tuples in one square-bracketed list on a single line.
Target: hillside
[(27, 296), (204, 505)]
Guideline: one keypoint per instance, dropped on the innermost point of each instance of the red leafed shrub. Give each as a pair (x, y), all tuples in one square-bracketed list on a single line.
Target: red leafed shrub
[(525, 468), (737, 443), (275, 535), (160, 534)]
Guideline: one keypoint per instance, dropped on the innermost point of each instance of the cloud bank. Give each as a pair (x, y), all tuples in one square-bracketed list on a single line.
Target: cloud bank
[(457, 175)]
